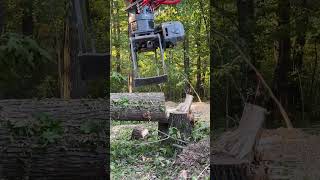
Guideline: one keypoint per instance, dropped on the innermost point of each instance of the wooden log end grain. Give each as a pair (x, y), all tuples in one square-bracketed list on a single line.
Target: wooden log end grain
[(139, 133)]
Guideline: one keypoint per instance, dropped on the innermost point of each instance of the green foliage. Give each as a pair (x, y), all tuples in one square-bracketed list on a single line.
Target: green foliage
[(117, 82), (45, 129), (22, 65), (147, 158), (188, 12), (230, 73), (91, 127)]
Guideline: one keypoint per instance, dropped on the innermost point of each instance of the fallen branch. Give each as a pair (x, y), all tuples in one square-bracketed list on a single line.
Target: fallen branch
[(160, 140), (247, 60), (200, 175), (186, 79)]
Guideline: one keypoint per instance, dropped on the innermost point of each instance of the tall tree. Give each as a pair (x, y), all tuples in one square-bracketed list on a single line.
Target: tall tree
[(2, 16), (199, 83), (246, 29), (64, 66), (79, 87), (117, 34), (27, 17), (186, 62), (284, 53), (301, 25)]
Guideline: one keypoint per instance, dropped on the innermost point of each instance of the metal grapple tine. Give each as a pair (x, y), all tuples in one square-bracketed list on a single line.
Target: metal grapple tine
[(150, 80)]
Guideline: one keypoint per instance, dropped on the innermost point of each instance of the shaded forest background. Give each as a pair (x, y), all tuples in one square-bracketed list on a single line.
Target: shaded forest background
[(188, 63), (38, 48), (281, 39)]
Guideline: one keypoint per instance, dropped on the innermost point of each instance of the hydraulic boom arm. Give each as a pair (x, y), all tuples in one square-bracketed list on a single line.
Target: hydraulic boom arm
[(145, 36)]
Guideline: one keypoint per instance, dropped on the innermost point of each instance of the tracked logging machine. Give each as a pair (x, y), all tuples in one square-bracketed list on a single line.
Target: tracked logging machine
[(145, 36)]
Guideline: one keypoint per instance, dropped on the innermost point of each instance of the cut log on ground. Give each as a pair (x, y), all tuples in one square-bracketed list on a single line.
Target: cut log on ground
[(234, 151), (138, 107), (54, 139), (139, 133)]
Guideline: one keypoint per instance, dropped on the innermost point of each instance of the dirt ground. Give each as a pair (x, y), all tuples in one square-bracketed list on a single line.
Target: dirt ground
[(195, 158), (290, 154), (287, 154)]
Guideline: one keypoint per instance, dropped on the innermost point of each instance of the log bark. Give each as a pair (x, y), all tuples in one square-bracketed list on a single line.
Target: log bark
[(76, 154), (138, 107), (182, 118)]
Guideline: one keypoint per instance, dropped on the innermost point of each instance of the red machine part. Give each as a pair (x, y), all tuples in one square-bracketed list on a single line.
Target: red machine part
[(154, 4)]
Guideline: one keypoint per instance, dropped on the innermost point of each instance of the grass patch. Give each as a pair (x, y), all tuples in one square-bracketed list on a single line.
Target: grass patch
[(145, 159)]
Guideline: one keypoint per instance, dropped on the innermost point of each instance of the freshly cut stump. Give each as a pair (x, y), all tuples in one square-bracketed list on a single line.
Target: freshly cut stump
[(139, 133), (181, 121), (182, 118), (232, 154)]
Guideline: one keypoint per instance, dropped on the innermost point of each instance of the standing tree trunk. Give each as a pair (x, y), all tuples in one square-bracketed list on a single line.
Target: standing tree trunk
[(246, 20), (2, 16), (78, 86), (315, 67), (199, 84), (117, 35), (301, 29), (27, 18), (284, 43), (65, 79), (186, 62)]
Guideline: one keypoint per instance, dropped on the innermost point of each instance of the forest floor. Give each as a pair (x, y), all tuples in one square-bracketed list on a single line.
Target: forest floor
[(151, 159), (290, 154)]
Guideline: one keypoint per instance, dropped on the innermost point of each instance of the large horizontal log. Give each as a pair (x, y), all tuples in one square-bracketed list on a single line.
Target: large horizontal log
[(138, 107), (54, 139), (66, 139)]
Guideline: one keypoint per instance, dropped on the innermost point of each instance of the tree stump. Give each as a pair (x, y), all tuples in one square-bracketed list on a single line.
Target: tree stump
[(182, 118), (233, 152), (182, 122)]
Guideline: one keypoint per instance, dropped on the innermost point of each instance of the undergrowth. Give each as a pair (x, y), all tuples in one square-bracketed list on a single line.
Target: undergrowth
[(149, 158)]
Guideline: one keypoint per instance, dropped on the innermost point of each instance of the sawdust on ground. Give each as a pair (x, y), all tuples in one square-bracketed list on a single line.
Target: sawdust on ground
[(290, 154), (195, 158)]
